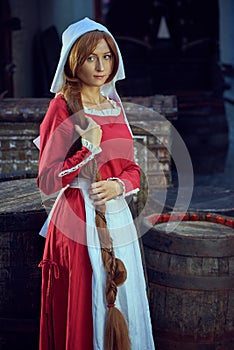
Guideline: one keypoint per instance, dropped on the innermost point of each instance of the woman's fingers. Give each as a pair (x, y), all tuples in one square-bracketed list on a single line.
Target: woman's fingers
[(79, 130), (90, 125), (102, 191), (98, 194), (93, 132)]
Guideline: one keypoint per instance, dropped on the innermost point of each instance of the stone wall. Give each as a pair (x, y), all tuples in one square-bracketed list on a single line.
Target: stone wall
[(20, 120)]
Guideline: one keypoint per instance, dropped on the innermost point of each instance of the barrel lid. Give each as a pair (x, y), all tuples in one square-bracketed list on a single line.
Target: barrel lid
[(20, 195), (20, 206), (197, 229), (190, 234)]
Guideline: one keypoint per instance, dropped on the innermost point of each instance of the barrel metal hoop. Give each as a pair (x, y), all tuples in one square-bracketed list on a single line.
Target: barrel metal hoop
[(200, 283), (180, 341)]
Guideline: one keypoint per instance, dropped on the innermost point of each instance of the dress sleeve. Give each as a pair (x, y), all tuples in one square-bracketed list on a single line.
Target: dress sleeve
[(127, 171), (130, 179), (57, 166)]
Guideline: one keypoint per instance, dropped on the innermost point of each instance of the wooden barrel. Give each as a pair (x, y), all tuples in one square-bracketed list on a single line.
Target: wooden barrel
[(191, 280), (21, 249)]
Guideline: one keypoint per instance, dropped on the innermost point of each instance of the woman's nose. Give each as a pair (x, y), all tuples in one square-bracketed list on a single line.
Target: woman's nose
[(100, 66)]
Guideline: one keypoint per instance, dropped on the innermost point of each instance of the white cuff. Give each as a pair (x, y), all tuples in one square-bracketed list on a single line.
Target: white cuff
[(90, 146)]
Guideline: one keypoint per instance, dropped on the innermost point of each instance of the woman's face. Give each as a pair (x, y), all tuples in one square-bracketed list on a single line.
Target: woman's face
[(97, 67)]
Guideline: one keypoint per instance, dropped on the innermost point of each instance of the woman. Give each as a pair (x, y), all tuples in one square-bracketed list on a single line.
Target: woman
[(93, 287)]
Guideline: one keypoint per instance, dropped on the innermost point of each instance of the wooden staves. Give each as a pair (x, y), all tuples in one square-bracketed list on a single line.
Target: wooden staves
[(191, 280), (21, 250)]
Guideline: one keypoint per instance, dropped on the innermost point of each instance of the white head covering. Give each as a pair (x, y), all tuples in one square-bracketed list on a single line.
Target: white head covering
[(69, 36)]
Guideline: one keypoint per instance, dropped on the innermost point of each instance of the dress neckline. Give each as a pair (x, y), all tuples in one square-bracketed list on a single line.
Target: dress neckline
[(112, 111)]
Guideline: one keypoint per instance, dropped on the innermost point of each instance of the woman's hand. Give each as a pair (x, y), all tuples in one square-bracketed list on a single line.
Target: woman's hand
[(93, 132), (102, 191)]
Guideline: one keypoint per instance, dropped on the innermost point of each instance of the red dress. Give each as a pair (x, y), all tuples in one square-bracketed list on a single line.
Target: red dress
[(66, 303)]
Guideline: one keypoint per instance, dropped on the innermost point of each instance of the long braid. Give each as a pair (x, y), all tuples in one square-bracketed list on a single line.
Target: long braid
[(116, 329)]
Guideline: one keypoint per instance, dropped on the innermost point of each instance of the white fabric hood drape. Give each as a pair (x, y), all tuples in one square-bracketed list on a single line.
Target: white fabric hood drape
[(69, 36)]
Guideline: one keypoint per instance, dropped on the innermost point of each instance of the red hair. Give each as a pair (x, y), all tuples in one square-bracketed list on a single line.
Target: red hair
[(79, 52)]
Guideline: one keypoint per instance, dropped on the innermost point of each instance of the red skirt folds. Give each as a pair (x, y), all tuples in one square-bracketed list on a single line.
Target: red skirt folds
[(66, 300)]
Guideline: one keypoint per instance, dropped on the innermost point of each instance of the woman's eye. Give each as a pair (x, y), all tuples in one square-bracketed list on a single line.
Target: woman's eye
[(107, 57), (91, 58)]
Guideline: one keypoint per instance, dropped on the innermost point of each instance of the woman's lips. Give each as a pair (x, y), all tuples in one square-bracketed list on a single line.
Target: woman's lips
[(99, 76)]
